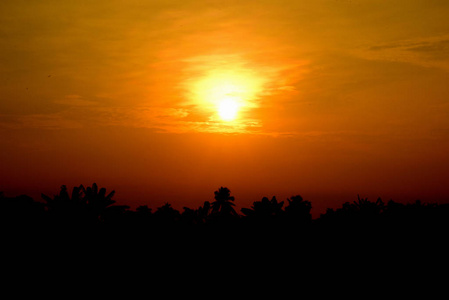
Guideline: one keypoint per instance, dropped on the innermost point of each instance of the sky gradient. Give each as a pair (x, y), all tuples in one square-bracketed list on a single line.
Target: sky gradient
[(335, 98)]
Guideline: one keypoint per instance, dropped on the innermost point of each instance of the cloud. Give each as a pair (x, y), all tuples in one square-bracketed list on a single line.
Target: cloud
[(428, 52), (75, 100), (47, 121), (159, 119), (429, 45)]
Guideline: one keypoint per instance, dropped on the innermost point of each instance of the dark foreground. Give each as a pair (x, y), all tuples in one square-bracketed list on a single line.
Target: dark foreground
[(82, 239), (89, 215)]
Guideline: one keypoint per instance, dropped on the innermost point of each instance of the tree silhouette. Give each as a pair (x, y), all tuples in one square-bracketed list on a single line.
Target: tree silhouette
[(21, 211), (144, 211), (368, 208), (196, 216), (85, 205), (97, 199), (359, 214), (263, 221), (203, 212), (100, 205), (298, 210), (188, 215), (264, 209), (140, 219), (223, 205), (65, 209), (166, 215), (266, 221)]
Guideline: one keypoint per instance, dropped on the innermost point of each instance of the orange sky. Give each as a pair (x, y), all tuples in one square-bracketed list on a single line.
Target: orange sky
[(334, 98)]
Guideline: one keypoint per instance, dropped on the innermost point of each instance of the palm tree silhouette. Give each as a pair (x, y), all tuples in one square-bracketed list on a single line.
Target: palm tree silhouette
[(98, 203), (65, 208), (85, 204), (223, 205), (369, 208)]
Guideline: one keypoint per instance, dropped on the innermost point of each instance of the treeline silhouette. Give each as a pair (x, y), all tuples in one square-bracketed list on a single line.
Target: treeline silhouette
[(92, 209), (86, 229)]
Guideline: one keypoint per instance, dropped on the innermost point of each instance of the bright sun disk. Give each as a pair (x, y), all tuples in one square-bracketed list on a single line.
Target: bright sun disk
[(228, 109)]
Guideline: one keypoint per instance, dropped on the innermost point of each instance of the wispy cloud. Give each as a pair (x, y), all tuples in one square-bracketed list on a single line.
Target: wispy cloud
[(75, 100), (46, 121), (428, 52)]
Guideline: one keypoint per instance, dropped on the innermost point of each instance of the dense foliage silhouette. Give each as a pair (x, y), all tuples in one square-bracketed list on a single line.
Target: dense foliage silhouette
[(85, 206), (92, 212), (85, 229)]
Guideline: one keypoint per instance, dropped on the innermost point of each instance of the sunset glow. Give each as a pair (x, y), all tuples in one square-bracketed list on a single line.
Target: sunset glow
[(164, 101)]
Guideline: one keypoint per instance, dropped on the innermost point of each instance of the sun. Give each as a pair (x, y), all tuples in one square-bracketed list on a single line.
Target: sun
[(226, 95), (228, 109)]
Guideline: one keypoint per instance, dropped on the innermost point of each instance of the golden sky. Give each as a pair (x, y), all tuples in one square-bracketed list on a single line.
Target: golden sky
[(324, 98)]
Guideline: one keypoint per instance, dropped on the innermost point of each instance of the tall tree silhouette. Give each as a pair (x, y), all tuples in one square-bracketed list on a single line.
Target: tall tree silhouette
[(223, 204)]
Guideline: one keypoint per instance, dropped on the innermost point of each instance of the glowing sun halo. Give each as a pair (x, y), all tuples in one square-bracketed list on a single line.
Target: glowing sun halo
[(227, 94)]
